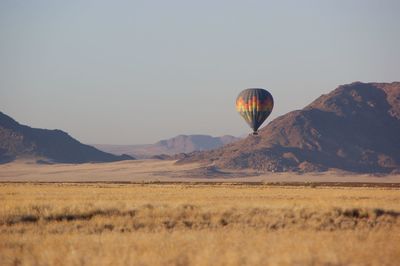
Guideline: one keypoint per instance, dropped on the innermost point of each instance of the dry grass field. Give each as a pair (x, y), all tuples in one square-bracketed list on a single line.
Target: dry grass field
[(197, 224)]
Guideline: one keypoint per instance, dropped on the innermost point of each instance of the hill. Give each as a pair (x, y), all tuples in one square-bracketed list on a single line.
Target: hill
[(356, 127), (18, 141), (172, 146)]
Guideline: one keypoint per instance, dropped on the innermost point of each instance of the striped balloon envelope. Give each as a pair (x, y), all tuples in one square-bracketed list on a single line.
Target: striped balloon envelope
[(254, 105)]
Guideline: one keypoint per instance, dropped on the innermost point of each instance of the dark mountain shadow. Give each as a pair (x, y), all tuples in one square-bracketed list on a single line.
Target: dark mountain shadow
[(54, 145), (356, 128)]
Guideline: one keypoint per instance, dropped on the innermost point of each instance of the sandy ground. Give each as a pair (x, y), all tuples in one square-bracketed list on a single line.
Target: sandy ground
[(155, 170)]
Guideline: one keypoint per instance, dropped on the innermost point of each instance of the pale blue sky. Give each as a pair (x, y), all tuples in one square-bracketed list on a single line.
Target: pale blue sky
[(130, 72)]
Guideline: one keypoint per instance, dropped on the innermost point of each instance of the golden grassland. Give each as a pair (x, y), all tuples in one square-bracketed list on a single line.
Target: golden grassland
[(197, 224)]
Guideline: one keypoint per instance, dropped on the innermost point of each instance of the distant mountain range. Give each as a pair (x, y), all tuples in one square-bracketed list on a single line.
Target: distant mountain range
[(47, 146), (176, 145), (356, 128)]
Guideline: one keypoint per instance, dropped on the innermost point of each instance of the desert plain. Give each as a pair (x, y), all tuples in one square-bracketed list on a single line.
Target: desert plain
[(150, 213)]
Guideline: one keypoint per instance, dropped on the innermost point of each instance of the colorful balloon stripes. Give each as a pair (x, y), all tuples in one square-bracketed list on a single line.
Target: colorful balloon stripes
[(254, 105)]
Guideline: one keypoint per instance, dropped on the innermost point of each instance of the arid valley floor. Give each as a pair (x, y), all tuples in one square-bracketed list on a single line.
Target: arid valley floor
[(166, 171), (48, 218)]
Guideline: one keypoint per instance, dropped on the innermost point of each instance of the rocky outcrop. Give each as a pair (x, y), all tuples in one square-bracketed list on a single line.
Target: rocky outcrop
[(356, 128)]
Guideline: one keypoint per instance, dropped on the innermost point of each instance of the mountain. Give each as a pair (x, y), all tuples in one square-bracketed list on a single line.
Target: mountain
[(176, 145), (356, 127), (17, 141)]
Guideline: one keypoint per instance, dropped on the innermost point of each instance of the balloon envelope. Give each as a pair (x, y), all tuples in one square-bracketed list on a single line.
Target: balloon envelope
[(254, 105)]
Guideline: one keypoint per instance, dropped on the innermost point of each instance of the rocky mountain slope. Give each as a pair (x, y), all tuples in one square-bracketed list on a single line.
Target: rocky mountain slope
[(19, 141), (356, 127), (175, 145)]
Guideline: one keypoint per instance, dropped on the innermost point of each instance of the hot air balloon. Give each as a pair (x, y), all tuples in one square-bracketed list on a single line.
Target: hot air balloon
[(254, 105)]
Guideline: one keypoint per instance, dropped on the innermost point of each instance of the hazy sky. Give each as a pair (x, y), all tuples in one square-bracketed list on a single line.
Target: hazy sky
[(130, 72)]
